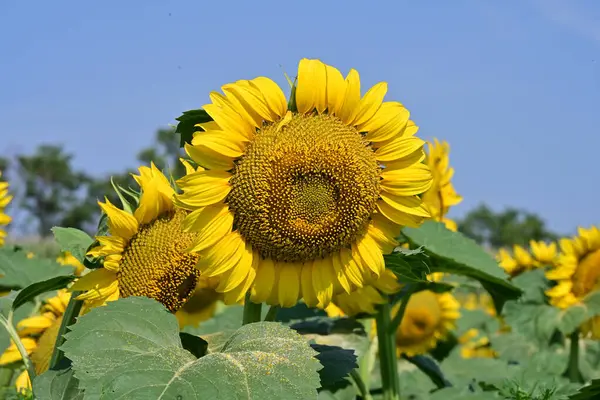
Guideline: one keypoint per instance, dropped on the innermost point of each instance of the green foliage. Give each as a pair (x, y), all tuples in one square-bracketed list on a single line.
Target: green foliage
[(132, 347), (73, 240), (18, 271), (589, 392), (32, 291), (454, 253), (505, 228), (337, 364), (187, 124), (57, 385)]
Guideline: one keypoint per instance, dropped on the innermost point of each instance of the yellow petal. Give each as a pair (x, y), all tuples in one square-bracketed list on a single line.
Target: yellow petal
[(351, 97), (368, 251), (407, 182), (212, 223), (265, 279), (306, 283), (272, 93), (237, 275), (384, 232), (245, 101), (23, 383), (398, 148), (34, 325), (399, 217), (230, 121), (120, 223), (408, 204), (311, 91), (98, 284), (370, 103), (323, 276), (203, 188), (223, 256), (336, 89), (390, 120), (340, 272), (153, 203), (289, 283), (351, 268)]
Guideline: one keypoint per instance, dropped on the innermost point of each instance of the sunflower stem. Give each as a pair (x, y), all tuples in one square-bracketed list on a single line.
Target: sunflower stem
[(400, 314), (272, 313), (360, 385), (573, 372), (252, 311), (387, 354), (12, 332), (71, 313)]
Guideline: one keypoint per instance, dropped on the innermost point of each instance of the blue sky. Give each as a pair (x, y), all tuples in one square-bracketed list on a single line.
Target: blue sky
[(513, 86)]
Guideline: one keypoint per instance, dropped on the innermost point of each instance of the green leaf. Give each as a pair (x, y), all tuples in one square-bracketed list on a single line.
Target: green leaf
[(429, 368), (73, 240), (533, 284), (194, 344), (337, 364), (297, 312), (187, 121), (18, 271), (57, 385), (456, 254), (131, 348), (571, 318), (589, 392), (410, 266), (328, 326), (34, 290)]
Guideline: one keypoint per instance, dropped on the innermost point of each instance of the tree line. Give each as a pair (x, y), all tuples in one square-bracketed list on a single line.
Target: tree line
[(51, 192)]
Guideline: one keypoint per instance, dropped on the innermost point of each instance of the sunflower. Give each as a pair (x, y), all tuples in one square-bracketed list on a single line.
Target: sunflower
[(68, 259), (302, 202), (38, 335), (441, 196), (473, 343), (5, 198), (577, 274), (202, 304), (539, 255), (145, 252)]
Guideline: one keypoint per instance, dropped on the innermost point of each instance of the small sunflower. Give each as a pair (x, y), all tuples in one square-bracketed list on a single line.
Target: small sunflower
[(577, 274), (38, 335), (5, 198), (145, 254), (474, 344), (302, 203), (202, 304), (442, 195), (539, 255), (428, 318), (68, 259)]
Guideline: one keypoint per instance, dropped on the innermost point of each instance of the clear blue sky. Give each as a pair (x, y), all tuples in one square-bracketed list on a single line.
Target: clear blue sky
[(513, 86)]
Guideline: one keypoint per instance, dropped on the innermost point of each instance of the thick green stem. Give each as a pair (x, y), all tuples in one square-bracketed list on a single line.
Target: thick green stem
[(252, 311), (360, 385), (400, 314), (272, 313), (387, 354), (71, 313), (12, 332), (573, 372)]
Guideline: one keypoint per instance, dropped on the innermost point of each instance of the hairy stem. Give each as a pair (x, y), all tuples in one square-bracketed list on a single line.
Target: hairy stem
[(252, 311), (387, 354), (12, 332)]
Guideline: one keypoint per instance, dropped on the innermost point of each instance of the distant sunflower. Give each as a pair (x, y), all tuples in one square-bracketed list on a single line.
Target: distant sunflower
[(539, 255), (202, 304), (577, 274), (5, 198), (428, 318), (474, 343), (145, 254), (301, 203), (442, 195), (38, 335), (68, 259)]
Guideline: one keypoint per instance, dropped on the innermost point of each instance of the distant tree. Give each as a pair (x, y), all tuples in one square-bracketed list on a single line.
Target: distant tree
[(505, 228), (53, 192)]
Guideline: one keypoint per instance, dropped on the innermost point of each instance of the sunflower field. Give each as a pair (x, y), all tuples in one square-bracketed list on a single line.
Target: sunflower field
[(306, 253)]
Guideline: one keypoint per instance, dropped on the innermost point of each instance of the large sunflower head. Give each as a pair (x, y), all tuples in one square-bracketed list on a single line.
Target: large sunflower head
[(577, 272), (202, 305), (540, 254), (428, 318), (442, 195), (38, 335), (301, 201), (145, 254), (5, 198)]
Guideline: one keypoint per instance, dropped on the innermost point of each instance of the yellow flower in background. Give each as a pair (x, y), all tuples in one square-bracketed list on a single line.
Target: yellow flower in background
[(67, 259), (38, 334), (5, 198), (477, 301), (474, 344), (428, 318), (202, 304), (577, 274), (540, 254), (145, 254), (302, 204), (442, 195)]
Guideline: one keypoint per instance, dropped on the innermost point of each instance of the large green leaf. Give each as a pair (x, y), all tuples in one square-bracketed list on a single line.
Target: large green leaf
[(337, 365), (187, 122), (73, 240), (57, 385), (35, 289), (131, 348), (589, 392), (454, 253), (18, 271)]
